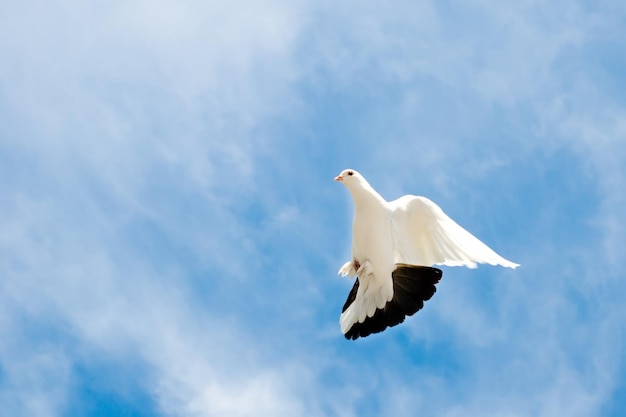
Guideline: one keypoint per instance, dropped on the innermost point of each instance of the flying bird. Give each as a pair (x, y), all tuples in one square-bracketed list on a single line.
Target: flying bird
[(394, 245)]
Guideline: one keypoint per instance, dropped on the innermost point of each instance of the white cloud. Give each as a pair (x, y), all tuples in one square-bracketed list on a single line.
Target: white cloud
[(123, 88), (144, 138), (35, 381), (115, 111)]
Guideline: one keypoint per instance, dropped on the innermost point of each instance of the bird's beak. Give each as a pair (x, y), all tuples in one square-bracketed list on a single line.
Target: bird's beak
[(338, 178)]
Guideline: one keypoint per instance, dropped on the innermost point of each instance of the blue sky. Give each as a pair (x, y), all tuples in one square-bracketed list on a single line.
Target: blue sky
[(170, 231)]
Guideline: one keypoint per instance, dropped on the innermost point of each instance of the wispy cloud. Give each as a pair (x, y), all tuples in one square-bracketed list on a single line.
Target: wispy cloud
[(167, 205)]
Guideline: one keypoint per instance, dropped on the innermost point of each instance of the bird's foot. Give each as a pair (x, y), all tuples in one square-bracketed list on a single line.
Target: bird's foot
[(350, 268), (364, 269)]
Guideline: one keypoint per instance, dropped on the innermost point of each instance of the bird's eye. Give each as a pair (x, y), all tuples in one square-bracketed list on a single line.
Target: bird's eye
[(350, 173)]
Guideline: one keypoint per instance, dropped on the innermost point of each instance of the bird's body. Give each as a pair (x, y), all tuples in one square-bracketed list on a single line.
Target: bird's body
[(410, 235)]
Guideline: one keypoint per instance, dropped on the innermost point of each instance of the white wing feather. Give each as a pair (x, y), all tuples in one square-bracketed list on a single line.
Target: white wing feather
[(372, 294), (425, 235)]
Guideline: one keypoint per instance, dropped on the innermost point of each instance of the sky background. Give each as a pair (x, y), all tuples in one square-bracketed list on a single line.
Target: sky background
[(170, 232)]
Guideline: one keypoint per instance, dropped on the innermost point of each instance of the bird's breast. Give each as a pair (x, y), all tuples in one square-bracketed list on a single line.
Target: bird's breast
[(371, 236)]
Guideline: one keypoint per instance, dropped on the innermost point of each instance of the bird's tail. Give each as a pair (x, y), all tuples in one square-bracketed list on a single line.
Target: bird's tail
[(412, 286)]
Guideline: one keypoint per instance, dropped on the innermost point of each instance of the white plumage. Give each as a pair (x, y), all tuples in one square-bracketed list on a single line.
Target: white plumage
[(411, 231)]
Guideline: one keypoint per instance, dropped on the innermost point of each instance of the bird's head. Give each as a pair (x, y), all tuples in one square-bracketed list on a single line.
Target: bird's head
[(349, 178), (357, 185)]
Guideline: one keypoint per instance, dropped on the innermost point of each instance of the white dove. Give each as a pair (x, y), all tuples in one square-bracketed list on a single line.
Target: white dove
[(394, 245)]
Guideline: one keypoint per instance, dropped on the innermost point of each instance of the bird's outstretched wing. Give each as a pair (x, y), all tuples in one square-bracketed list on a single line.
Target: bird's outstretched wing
[(412, 285), (425, 235)]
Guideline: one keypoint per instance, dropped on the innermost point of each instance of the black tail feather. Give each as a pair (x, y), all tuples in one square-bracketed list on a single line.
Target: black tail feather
[(419, 281), (351, 296), (412, 285)]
